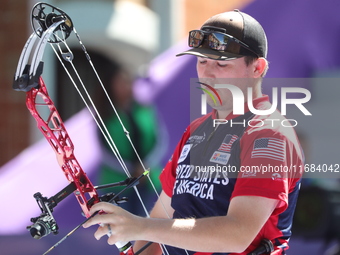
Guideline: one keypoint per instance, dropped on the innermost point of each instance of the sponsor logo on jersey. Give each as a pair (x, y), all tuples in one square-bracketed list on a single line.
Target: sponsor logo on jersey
[(184, 153), (220, 157), (196, 139)]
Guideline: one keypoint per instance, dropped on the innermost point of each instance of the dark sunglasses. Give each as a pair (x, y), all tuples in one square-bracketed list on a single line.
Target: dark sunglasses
[(216, 40)]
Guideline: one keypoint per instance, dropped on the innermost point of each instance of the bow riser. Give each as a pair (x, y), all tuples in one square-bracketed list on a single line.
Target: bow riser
[(56, 134)]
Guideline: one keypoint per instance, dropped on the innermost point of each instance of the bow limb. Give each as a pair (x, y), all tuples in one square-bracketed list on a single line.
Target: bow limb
[(30, 65)]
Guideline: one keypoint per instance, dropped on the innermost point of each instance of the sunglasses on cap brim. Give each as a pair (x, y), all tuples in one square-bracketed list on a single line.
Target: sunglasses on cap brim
[(217, 41)]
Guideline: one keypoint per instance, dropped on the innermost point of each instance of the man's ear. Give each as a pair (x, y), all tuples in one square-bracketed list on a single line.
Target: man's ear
[(260, 67)]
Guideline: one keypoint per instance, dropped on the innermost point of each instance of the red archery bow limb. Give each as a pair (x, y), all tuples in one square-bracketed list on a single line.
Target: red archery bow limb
[(56, 134)]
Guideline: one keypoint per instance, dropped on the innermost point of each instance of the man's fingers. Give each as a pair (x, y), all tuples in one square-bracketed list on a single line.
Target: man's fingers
[(103, 206), (99, 219), (112, 216), (112, 240), (101, 231), (104, 230)]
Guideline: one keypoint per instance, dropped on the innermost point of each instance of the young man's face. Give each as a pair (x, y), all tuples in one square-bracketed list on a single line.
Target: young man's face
[(234, 72), (236, 68)]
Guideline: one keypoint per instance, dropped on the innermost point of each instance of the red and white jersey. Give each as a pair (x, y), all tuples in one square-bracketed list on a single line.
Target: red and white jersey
[(249, 154)]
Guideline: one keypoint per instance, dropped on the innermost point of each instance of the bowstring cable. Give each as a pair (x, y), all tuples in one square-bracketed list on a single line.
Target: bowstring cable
[(118, 117), (106, 132), (102, 125), (126, 132), (112, 145)]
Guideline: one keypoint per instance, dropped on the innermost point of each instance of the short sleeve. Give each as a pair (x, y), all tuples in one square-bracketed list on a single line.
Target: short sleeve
[(267, 165)]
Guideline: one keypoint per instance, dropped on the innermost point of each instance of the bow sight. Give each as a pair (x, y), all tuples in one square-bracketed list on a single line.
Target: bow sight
[(46, 224)]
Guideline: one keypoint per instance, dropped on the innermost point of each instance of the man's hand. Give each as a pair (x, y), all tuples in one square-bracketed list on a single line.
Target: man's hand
[(124, 225)]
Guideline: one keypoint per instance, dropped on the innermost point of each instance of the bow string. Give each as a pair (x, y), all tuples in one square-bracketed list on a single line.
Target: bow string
[(53, 26)]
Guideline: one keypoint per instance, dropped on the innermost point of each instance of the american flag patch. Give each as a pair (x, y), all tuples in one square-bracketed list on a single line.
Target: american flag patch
[(271, 148), (227, 142)]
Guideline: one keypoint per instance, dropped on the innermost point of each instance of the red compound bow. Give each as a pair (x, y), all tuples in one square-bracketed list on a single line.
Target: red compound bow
[(53, 26)]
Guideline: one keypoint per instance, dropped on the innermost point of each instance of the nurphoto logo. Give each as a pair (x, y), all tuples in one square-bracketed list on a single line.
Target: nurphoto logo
[(239, 101)]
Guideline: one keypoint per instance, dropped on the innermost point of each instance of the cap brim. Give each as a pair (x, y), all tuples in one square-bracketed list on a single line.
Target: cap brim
[(210, 53)]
